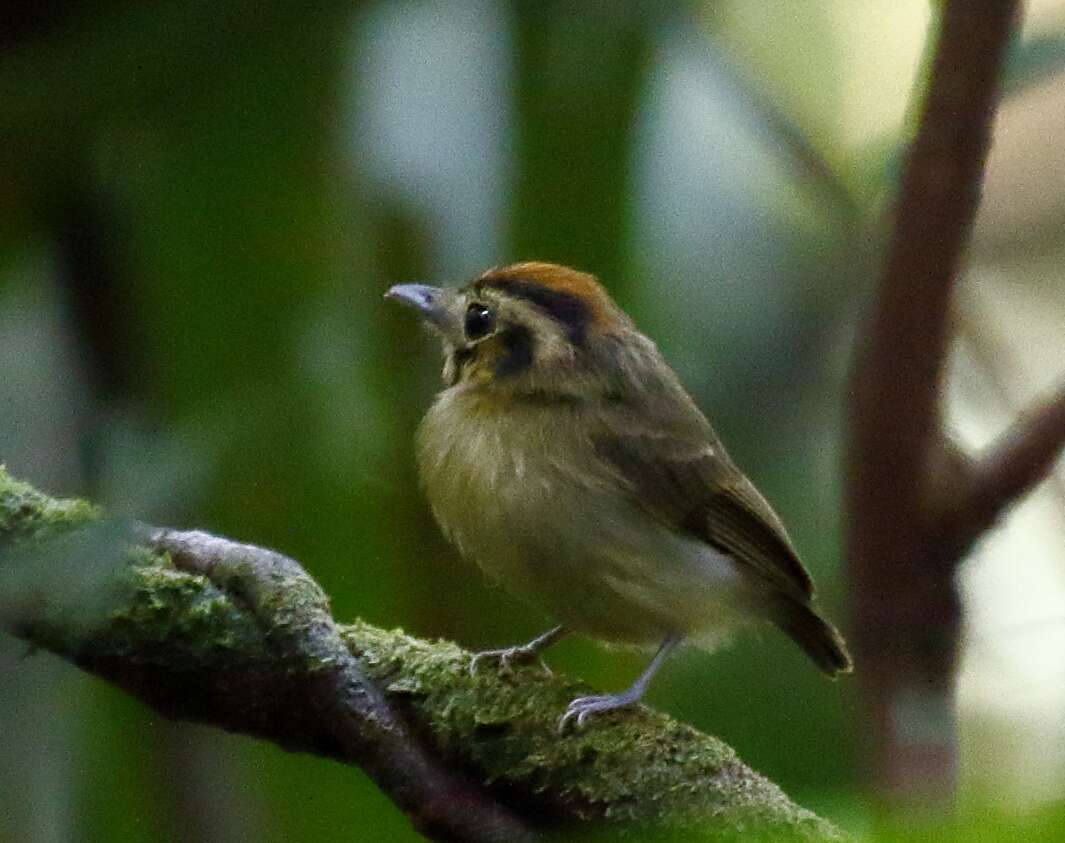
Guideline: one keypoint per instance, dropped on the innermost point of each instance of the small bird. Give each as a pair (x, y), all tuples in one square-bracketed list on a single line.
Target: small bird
[(565, 457)]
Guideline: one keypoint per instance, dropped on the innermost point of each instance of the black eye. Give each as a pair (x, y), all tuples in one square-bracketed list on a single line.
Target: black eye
[(479, 321)]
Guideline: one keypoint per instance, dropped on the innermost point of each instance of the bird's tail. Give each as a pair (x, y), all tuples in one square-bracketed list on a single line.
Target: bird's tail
[(817, 637)]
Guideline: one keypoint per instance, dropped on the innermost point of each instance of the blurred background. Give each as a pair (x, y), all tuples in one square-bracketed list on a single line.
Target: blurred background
[(201, 205)]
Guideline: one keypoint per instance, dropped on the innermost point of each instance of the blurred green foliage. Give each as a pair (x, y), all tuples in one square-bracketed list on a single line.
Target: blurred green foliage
[(189, 204)]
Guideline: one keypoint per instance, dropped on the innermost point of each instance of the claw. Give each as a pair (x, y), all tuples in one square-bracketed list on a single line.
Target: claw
[(506, 657), (520, 654), (584, 707)]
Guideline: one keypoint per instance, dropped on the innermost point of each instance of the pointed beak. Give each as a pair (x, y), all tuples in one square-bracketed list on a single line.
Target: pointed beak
[(430, 302)]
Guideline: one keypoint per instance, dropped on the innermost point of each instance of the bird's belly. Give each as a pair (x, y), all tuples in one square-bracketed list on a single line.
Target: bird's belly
[(576, 545)]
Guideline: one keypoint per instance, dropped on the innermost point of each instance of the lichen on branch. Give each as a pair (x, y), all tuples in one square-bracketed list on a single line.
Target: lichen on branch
[(208, 630)]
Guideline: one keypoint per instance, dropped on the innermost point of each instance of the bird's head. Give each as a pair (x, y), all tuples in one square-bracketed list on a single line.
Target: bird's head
[(528, 327)]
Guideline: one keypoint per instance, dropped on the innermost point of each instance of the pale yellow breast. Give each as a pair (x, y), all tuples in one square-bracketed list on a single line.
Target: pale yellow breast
[(494, 476), (519, 491)]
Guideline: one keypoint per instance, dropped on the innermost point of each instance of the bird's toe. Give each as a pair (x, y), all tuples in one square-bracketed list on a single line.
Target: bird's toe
[(580, 709), (506, 658)]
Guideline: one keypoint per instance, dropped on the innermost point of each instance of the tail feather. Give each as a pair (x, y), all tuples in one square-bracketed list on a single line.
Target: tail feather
[(817, 637)]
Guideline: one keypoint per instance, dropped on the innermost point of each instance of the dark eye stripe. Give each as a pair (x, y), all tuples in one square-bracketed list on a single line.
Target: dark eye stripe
[(568, 310), (517, 352)]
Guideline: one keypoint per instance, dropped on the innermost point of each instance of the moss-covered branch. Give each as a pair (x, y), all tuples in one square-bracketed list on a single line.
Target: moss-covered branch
[(208, 630)]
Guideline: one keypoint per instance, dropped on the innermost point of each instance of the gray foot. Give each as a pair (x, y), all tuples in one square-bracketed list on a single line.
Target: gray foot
[(582, 708), (522, 654), (507, 658)]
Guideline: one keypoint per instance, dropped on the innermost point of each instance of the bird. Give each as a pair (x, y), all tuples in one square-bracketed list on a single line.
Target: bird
[(564, 456)]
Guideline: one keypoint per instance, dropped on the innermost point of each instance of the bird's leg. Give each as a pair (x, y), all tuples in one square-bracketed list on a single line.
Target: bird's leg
[(520, 654), (583, 707)]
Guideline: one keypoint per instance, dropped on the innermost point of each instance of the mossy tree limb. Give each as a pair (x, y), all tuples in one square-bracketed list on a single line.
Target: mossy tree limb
[(204, 629)]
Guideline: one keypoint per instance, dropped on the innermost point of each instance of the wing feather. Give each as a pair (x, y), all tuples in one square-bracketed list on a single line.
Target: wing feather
[(679, 472)]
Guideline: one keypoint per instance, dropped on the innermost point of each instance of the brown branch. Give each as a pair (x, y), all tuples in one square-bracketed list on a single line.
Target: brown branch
[(905, 610), (899, 369), (998, 361), (1022, 457), (209, 630), (440, 803)]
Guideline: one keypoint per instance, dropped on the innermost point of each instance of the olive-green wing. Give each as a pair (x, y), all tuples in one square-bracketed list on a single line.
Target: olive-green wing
[(679, 472)]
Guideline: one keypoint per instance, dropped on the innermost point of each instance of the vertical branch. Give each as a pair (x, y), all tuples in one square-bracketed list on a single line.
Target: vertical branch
[(580, 71), (906, 614)]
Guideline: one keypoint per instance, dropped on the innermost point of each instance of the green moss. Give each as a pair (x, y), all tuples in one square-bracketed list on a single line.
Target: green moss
[(171, 629), (27, 513), (151, 602), (182, 615), (631, 767)]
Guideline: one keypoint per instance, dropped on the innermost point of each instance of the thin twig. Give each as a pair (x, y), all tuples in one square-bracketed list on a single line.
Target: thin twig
[(998, 360), (1020, 459)]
